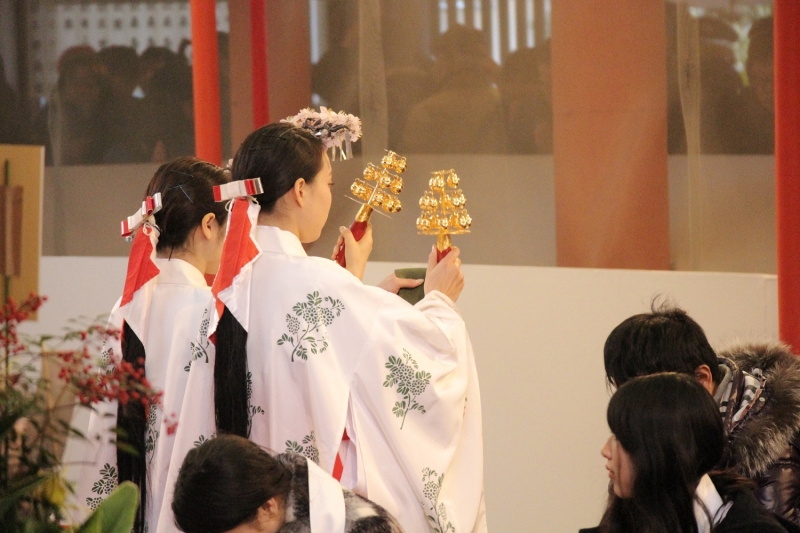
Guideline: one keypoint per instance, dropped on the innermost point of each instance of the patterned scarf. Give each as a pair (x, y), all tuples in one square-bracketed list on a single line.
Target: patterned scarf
[(743, 395)]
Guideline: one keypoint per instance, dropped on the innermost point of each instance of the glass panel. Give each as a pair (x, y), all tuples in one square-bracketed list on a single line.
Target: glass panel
[(731, 42), (721, 116), (467, 83), (439, 63), (107, 82)]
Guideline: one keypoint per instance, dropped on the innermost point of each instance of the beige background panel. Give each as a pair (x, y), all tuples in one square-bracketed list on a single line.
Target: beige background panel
[(26, 170), (510, 197), (729, 212), (538, 336), (85, 205)]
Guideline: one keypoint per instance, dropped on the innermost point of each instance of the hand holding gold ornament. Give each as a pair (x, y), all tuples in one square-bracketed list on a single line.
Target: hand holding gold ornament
[(378, 189)]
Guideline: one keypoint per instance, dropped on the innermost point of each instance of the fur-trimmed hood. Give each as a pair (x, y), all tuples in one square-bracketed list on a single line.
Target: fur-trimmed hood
[(361, 515), (768, 431)]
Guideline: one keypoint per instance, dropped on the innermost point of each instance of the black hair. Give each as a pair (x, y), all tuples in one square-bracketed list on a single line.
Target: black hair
[(223, 482), (186, 187), (664, 340), (672, 430), (279, 154)]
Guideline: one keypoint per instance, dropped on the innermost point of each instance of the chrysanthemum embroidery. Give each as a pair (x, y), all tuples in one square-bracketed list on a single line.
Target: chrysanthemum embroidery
[(105, 484), (410, 381), (307, 448), (105, 358), (152, 433), (311, 318), (200, 348), (202, 438), (252, 410), (435, 511)]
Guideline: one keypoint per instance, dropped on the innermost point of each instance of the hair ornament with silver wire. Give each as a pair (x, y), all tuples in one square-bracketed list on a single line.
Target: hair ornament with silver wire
[(332, 128), (150, 206)]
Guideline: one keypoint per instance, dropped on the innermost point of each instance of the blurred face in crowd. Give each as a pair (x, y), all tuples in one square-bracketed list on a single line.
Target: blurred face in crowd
[(81, 88), (761, 75)]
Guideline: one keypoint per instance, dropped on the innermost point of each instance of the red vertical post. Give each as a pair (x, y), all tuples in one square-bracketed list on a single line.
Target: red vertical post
[(258, 56), (787, 166), (205, 81)]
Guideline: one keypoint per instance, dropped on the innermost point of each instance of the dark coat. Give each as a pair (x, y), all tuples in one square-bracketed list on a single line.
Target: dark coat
[(745, 516), (765, 445), (361, 515)]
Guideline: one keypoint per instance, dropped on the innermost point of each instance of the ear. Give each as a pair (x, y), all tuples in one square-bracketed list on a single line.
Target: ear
[(272, 508), (299, 191), (206, 225), (703, 374)]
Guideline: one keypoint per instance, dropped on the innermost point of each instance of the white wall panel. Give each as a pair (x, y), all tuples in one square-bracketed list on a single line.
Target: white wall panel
[(538, 334)]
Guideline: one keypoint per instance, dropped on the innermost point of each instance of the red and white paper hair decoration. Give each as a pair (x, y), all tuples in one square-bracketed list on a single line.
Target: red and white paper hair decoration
[(332, 128), (237, 189), (150, 206)]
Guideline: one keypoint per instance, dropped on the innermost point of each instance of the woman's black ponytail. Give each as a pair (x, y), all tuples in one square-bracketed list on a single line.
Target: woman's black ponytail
[(186, 187), (231, 394), (132, 430), (279, 154)]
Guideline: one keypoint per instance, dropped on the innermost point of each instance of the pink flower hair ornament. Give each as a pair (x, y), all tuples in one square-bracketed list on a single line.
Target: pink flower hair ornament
[(335, 130)]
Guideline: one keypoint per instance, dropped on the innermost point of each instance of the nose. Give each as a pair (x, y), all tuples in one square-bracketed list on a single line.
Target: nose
[(605, 451)]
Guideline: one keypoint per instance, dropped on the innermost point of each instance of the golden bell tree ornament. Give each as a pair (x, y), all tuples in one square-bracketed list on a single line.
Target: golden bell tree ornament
[(378, 188), (443, 210)]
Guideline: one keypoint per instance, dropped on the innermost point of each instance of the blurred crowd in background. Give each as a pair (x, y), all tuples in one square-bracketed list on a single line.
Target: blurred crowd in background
[(112, 106), (116, 106)]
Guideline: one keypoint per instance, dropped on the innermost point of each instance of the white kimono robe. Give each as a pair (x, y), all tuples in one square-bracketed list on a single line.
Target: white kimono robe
[(174, 335), (327, 353)]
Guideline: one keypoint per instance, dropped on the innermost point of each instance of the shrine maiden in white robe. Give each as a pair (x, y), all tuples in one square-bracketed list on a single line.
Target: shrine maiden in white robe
[(327, 353), (170, 317)]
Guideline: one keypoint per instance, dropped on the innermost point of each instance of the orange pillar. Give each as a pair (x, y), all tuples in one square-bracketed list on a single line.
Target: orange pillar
[(205, 80), (610, 133), (787, 166), (288, 57)]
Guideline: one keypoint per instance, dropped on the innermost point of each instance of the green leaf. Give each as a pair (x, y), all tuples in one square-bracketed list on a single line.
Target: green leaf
[(116, 514), (93, 523), (19, 490)]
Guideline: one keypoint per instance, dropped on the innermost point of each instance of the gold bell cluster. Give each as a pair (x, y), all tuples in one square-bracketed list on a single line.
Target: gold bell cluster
[(379, 186), (443, 206)]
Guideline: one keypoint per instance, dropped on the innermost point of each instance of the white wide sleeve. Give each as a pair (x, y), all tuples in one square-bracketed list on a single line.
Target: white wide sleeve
[(417, 417)]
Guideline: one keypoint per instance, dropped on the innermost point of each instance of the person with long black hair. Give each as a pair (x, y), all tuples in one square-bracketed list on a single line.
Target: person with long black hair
[(163, 318), (306, 352), (667, 437)]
